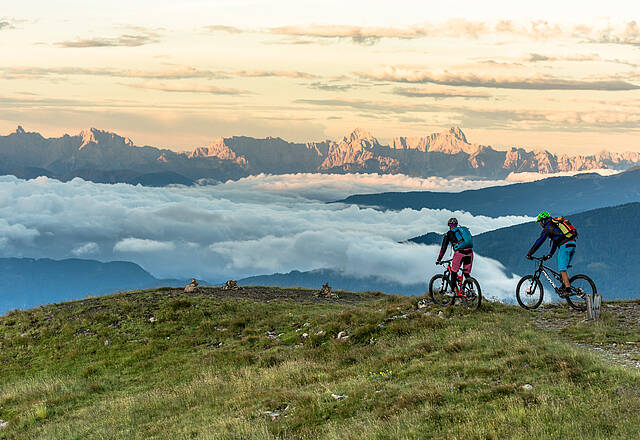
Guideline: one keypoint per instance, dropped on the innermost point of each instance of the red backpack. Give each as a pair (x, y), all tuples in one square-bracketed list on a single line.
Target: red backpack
[(565, 227)]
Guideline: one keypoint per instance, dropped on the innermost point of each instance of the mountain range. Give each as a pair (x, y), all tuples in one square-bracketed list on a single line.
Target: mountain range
[(563, 195), (106, 157)]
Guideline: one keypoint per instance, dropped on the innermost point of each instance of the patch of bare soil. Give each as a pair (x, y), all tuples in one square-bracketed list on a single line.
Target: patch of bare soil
[(623, 317), (267, 294)]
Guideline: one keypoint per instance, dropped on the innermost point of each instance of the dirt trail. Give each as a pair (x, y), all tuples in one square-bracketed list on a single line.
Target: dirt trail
[(622, 347)]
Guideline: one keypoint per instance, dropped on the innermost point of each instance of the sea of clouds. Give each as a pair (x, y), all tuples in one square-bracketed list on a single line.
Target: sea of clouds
[(253, 226)]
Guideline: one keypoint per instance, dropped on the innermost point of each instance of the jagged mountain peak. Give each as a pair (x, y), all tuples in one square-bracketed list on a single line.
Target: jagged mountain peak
[(457, 133), (19, 130), (96, 136), (360, 134)]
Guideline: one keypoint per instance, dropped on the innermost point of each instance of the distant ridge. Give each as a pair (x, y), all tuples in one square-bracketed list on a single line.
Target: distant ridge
[(560, 194), (28, 282), (106, 157)]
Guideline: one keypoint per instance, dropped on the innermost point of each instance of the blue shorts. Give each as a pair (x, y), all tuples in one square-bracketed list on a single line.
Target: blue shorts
[(565, 255)]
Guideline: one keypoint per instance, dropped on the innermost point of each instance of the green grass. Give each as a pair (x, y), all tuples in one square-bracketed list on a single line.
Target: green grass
[(206, 368)]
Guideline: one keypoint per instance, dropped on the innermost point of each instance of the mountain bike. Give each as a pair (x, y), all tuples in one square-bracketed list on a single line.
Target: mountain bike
[(467, 291), (530, 292)]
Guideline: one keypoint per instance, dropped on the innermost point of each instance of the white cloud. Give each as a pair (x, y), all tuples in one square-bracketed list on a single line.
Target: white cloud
[(257, 225), (86, 250), (143, 245)]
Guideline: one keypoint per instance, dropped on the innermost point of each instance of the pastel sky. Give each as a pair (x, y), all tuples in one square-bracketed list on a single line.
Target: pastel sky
[(564, 76)]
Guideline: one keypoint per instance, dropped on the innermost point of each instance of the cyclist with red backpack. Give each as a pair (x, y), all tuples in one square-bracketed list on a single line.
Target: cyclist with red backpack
[(462, 243), (563, 238)]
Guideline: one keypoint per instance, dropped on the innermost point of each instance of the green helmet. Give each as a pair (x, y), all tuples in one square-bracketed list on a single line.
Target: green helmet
[(542, 216)]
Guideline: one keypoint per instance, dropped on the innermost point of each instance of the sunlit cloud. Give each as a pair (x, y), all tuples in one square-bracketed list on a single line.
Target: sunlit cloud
[(179, 72), (227, 29), (626, 33), (257, 73), (438, 93), (534, 82), (120, 41), (4, 24), (189, 88)]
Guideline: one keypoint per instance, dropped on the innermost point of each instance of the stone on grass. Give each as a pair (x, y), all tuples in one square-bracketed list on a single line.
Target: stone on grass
[(107, 342), (339, 396), (192, 287), (231, 285), (305, 335), (325, 292), (342, 336), (152, 319), (527, 387), (3, 424), (273, 414)]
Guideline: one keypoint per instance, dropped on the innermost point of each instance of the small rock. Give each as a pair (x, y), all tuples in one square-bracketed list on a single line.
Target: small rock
[(440, 314), (273, 414), (152, 319), (320, 333), (306, 324), (342, 335), (192, 287), (305, 335), (527, 387), (325, 292), (423, 303), (107, 342), (339, 396), (231, 285), (3, 424)]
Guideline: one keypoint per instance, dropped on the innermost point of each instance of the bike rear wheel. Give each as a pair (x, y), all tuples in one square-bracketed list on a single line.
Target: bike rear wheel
[(529, 292), (472, 294), (581, 286), (439, 290)]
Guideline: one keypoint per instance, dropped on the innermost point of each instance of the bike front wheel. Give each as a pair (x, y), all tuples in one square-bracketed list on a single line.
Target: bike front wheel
[(581, 286), (529, 292), (472, 295), (438, 287)]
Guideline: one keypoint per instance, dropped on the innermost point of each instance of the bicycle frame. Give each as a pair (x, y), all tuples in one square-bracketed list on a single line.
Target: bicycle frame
[(543, 269), (448, 273)]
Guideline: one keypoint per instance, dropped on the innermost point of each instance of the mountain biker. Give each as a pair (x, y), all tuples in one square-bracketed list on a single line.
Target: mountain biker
[(566, 248), (462, 244)]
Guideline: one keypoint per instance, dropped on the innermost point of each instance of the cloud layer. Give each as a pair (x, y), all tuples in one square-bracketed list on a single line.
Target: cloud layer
[(258, 225)]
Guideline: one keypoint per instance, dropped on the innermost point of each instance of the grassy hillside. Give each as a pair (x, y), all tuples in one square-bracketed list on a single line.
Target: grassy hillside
[(261, 363)]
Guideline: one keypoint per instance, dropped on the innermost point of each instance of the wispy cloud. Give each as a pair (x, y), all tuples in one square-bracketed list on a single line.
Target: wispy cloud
[(623, 33), (437, 93), (492, 117), (537, 82), (125, 40), (177, 72), (630, 35), (256, 73), (4, 24), (227, 29), (331, 87), (189, 88)]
